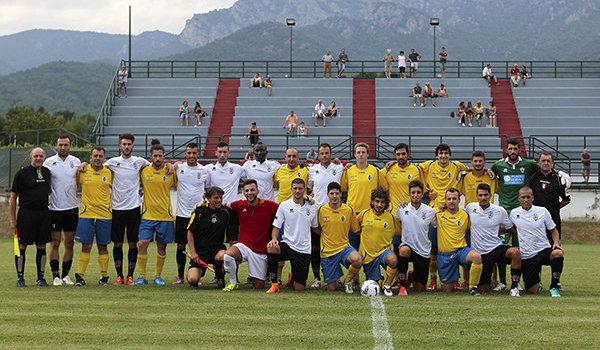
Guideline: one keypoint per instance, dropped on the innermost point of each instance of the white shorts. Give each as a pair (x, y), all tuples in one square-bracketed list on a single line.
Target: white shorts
[(257, 263), (414, 65)]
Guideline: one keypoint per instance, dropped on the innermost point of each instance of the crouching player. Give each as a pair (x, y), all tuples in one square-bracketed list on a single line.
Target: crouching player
[(452, 224), (378, 228), (95, 216), (336, 219), (208, 226), (416, 246)]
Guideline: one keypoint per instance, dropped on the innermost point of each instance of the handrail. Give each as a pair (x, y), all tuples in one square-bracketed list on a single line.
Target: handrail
[(167, 140), (11, 135), (109, 101)]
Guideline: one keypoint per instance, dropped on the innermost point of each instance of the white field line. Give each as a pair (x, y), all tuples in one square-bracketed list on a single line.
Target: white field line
[(381, 334)]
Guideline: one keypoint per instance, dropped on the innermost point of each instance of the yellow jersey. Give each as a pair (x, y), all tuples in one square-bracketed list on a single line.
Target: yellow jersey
[(360, 184), (451, 230), (469, 183), (439, 179), (283, 180), (376, 233), (396, 180), (95, 193), (335, 225), (157, 194)]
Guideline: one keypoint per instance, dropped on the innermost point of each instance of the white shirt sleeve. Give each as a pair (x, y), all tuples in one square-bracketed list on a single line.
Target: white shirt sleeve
[(548, 220), (505, 219), (314, 222), (278, 222)]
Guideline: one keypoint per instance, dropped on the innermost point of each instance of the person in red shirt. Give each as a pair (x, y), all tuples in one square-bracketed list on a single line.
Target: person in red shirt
[(515, 75), (255, 216)]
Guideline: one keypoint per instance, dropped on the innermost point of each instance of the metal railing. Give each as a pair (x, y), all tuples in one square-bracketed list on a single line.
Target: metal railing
[(41, 136), (362, 69), (109, 101), (174, 144)]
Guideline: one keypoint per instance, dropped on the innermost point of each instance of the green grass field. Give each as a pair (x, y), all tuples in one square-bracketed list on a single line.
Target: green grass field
[(182, 317)]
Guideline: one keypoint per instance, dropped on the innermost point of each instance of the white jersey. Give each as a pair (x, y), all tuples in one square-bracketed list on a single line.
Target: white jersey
[(191, 182), (401, 61), (64, 182), (319, 109), (263, 174), (531, 229), (320, 177), (227, 177), (485, 225), (126, 181), (296, 221), (415, 227)]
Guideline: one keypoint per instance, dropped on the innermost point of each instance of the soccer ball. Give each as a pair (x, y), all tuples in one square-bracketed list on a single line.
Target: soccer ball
[(286, 75), (370, 288)]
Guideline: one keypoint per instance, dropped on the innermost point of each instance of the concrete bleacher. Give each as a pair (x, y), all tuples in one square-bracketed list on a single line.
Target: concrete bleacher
[(152, 110)]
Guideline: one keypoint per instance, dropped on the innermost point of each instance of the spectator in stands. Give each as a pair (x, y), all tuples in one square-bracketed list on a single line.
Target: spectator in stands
[(491, 112), (249, 155), (487, 75), (268, 84), (256, 81), (199, 113), (302, 130), (387, 63), (515, 75), (417, 93), (332, 110), (320, 113), (586, 162), (402, 65), (184, 113), (479, 110), (442, 92), (311, 156), (292, 122), (341, 63), (525, 74), (443, 59), (327, 59), (123, 80), (462, 113), (414, 58), (470, 113), (253, 134), (428, 94)]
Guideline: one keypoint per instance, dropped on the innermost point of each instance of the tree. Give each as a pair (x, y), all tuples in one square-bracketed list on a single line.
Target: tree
[(20, 119)]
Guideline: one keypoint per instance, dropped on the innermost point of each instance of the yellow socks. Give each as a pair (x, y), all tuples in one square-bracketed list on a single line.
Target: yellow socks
[(84, 260), (391, 274), (142, 262), (103, 263), (352, 274), (475, 275), (160, 262)]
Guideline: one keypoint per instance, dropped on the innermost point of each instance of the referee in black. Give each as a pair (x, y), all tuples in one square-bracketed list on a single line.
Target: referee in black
[(31, 185), (548, 191), (210, 224)]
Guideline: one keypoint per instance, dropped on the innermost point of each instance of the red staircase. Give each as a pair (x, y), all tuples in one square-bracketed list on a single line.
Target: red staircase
[(364, 122), (507, 116), (222, 116)]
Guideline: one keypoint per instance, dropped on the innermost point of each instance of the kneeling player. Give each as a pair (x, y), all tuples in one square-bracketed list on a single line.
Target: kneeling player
[(95, 216), (416, 246), (486, 219), (209, 225), (532, 223), (452, 224), (297, 217), (378, 227), (336, 219)]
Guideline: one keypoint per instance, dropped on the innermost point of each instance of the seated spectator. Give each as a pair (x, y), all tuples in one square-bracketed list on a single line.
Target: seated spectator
[(292, 122), (478, 112), (249, 155), (341, 63), (302, 130), (332, 110), (256, 81), (515, 75), (417, 93), (268, 84), (462, 113), (487, 75), (491, 112), (470, 113), (525, 74), (442, 92), (428, 94), (253, 134), (184, 112), (320, 113), (311, 156), (387, 63), (199, 113)]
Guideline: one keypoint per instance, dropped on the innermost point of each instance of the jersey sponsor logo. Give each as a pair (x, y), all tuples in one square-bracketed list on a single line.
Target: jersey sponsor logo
[(449, 175), (213, 219), (369, 177), (299, 174), (458, 223), (408, 177), (385, 225), (164, 178), (103, 178), (514, 179), (342, 218)]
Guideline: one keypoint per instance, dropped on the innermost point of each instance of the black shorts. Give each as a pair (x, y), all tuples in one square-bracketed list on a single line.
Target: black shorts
[(315, 240), (34, 226), (420, 267), (126, 219), (498, 255), (299, 261), (64, 220), (207, 255), (402, 69), (181, 230), (532, 267)]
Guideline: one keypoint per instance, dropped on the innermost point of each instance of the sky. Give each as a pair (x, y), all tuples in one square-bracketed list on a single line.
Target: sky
[(107, 16)]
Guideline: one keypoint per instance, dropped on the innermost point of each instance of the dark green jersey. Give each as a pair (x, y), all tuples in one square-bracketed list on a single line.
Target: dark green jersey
[(511, 177)]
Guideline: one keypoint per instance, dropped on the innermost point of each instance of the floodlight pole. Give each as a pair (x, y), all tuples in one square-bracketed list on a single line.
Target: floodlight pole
[(129, 68), (291, 22), (434, 22)]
